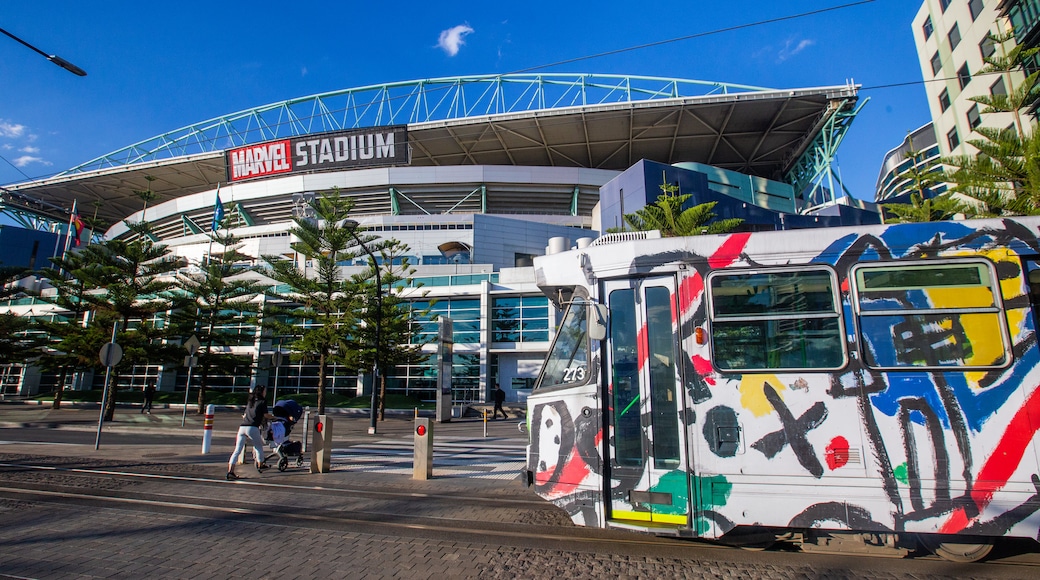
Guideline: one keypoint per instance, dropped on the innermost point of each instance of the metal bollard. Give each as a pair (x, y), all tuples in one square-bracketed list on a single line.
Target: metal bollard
[(207, 428), (321, 454), (422, 460), (306, 427), (485, 423)]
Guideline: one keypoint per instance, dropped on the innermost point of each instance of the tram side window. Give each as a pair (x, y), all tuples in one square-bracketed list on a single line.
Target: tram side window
[(568, 359), (780, 319), (930, 316)]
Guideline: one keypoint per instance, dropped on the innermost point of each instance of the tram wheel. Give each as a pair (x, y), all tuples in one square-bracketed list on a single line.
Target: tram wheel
[(961, 552)]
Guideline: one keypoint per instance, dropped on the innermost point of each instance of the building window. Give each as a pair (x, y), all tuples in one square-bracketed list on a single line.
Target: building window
[(936, 64), (975, 7), (944, 100), (953, 139), (927, 27), (973, 116), (963, 76), (520, 319), (987, 47), (944, 4), (954, 36), (998, 87)]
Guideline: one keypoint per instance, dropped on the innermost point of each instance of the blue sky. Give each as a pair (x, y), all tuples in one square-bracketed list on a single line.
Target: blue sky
[(157, 66)]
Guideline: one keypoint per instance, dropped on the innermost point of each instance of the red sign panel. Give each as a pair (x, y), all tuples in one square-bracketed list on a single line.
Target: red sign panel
[(260, 160)]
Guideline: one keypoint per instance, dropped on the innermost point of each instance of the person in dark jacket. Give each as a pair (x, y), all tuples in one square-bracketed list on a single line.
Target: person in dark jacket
[(500, 397), (149, 394), (255, 415)]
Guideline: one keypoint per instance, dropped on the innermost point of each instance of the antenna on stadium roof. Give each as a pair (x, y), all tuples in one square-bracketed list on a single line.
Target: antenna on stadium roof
[(51, 57)]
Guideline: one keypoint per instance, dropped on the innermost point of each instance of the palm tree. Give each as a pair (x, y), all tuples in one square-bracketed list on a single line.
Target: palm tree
[(668, 216)]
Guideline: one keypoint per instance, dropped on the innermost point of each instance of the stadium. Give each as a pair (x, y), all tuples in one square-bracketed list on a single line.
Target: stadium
[(477, 175)]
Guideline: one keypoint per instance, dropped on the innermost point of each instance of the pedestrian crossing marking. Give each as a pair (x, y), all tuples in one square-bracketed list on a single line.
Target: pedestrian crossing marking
[(461, 457)]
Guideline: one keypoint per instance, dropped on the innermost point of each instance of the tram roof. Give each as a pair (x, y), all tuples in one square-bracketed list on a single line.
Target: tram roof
[(594, 121)]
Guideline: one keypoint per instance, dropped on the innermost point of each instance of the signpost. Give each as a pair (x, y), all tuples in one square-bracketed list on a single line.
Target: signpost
[(192, 346), (276, 360), (110, 355)]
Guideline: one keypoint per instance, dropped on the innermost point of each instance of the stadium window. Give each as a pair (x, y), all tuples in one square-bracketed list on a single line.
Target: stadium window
[(927, 27), (944, 100), (963, 76), (974, 119), (936, 315), (936, 63), (998, 87), (987, 47), (944, 4), (953, 139), (975, 7), (954, 36), (780, 319)]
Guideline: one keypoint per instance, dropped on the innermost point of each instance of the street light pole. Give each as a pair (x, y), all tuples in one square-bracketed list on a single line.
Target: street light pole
[(51, 57), (353, 224)]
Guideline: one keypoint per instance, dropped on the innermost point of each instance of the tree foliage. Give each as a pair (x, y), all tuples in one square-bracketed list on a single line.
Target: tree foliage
[(398, 342), (667, 215), (214, 304), (1003, 178), (325, 297)]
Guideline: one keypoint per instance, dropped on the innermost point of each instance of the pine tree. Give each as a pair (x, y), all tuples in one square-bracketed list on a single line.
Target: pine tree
[(325, 302)]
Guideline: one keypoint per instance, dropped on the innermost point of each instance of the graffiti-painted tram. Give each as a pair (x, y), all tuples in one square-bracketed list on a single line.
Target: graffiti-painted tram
[(863, 389)]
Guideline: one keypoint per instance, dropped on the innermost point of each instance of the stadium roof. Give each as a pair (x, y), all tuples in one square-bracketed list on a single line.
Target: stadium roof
[(562, 120)]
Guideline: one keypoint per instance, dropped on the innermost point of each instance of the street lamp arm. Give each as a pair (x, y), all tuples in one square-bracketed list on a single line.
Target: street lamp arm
[(51, 57)]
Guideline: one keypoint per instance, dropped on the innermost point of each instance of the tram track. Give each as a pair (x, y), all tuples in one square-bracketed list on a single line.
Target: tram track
[(375, 521), (342, 509)]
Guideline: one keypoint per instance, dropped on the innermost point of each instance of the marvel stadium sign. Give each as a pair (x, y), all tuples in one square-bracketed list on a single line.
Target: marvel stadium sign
[(343, 149)]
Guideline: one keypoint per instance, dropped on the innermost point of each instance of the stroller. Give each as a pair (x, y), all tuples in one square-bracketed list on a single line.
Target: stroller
[(286, 412)]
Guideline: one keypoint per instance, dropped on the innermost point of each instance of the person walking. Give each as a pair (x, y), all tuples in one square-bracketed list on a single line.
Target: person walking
[(149, 394), (255, 415), (500, 397)]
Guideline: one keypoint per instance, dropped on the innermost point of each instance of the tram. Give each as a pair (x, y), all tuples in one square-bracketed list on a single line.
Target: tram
[(870, 389)]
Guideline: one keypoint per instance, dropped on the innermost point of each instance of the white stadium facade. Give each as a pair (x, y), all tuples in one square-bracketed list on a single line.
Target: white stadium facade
[(477, 175)]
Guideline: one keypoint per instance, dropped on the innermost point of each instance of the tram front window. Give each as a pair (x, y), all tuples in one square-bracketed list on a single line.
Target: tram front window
[(568, 360)]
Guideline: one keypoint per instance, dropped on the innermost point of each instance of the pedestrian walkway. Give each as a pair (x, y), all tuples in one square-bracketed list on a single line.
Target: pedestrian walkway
[(490, 458)]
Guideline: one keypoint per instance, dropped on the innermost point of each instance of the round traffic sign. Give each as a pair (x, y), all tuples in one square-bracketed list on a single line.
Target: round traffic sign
[(111, 353)]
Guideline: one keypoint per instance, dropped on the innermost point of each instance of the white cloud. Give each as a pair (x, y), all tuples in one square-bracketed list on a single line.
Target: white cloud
[(27, 159), (452, 39), (30, 149), (791, 48), (11, 130), (303, 72)]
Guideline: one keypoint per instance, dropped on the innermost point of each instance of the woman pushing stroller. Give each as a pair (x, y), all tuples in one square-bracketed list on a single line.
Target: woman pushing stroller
[(255, 415)]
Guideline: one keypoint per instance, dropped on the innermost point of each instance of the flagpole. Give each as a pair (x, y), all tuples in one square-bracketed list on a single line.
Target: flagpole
[(217, 218), (68, 232)]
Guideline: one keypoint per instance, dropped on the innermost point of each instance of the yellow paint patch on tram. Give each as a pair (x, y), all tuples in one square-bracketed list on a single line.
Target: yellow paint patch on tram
[(752, 393)]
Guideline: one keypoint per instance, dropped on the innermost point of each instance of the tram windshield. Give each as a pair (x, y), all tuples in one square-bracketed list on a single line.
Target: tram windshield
[(568, 359)]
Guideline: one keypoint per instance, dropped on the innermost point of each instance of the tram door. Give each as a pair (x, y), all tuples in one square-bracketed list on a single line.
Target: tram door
[(649, 476)]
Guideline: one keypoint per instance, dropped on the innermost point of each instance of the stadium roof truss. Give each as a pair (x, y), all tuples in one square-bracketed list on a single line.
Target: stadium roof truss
[(570, 120)]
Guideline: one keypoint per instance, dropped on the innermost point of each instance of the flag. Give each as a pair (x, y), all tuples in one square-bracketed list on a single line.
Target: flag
[(77, 226), (218, 212)]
